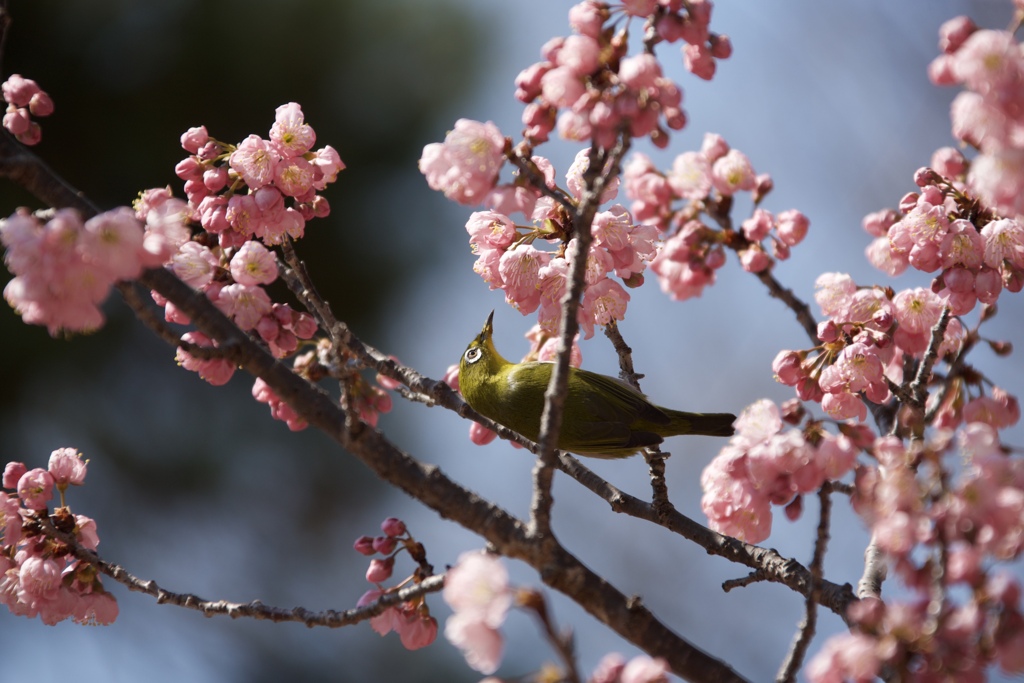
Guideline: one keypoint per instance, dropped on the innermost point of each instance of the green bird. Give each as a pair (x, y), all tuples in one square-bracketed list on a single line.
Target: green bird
[(603, 417)]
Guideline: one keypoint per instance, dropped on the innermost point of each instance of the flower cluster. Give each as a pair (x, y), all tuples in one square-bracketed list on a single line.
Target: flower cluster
[(989, 114), (25, 99), (940, 229), (534, 279), (599, 90), (64, 268), (764, 466), (868, 333), (465, 166), (411, 620), (690, 255), (246, 198), (38, 575), (923, 517), (282, 175), (478, 591)]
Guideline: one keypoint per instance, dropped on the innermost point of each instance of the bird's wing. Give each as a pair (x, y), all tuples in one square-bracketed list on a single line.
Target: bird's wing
[(614, 398)]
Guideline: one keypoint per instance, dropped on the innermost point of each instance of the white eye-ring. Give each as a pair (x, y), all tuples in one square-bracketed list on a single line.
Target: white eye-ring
[(473, 354)]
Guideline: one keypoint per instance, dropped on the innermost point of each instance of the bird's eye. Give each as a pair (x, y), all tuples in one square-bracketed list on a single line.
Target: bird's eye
[(473, 354)]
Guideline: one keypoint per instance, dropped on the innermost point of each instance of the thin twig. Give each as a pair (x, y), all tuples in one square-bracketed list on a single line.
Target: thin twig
[(795, 658), (774, 566), (753, 577), (795, 304), (235, 610), (562, 642), (626, 371), (918, 388)]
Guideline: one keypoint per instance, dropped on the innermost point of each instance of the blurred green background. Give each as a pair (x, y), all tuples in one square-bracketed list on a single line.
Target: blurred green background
[(195, 487)]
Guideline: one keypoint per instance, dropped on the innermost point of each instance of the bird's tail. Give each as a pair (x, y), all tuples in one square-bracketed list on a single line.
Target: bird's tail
[(704, 424)]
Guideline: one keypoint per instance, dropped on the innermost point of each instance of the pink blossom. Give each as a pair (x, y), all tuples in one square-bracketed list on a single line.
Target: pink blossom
[(165, 230), (690, 177), (478, 592), (757, 227), (35, 488), (245, 304), (96, 608), (294, 176), (481, 645), (253, 264), (587, 17), (732, 173), (195, 264), (880, 254), (112, 241), (279, 410), (988, 62), (640, 72), (843, 405), (67, 467), (519, 269), (465, 167), (963, 245), (954, 32), (602, 303), (416, 630), (754, 259), (792, 227), (846, 657), (580, 54), (609, 669), (1004, 241), (997, 178), (38, 580), (254, 161), (290, 133), (85, 530), (733, 505), (699, 61), (329, 163), (917, 310), (216, 371), (643, 669)]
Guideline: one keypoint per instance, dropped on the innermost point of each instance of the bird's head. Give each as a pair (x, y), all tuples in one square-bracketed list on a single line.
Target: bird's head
[(481, 359)]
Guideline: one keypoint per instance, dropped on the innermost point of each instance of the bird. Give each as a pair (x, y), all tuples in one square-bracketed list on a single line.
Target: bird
[(603, 417)]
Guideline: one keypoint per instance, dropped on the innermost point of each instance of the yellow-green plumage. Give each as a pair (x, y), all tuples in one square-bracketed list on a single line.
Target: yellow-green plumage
[(603, 417)]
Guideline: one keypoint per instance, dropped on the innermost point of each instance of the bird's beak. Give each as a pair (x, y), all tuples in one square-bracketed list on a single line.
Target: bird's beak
[(488, 330)]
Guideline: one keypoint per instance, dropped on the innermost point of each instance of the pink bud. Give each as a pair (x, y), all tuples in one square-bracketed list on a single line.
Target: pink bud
[(908, 202), (188, 169), (721, 46), (384, 545), (12, 473), (828, 331), (392, 526), (380, 570), (364, 545)]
